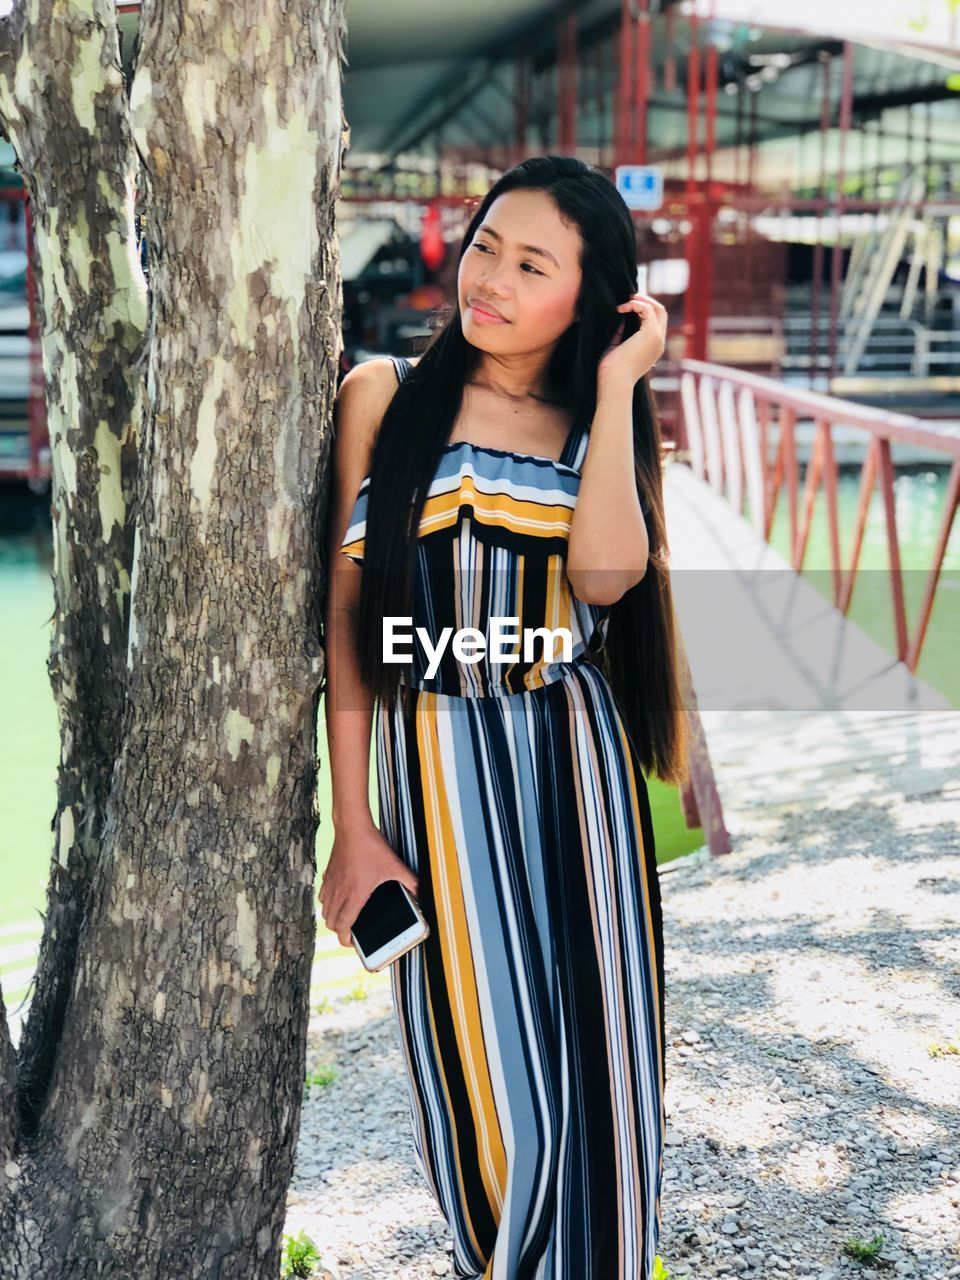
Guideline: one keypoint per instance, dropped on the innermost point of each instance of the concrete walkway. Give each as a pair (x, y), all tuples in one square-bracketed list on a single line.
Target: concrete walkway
[(757, 635)]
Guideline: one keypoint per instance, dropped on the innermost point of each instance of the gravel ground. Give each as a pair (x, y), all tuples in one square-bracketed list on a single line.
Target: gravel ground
[(813, 1070)]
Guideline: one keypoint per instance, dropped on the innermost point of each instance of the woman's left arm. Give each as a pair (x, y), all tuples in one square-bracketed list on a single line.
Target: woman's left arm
[(608, 547)]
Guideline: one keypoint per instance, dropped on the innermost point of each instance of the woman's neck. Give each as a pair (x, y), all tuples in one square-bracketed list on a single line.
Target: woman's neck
[(519, 385)]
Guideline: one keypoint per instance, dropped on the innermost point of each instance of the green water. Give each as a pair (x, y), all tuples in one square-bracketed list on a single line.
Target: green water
[(29, 743), (919, 497)]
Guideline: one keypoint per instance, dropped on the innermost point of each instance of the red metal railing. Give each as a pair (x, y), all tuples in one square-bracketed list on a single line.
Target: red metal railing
[(728, 418)]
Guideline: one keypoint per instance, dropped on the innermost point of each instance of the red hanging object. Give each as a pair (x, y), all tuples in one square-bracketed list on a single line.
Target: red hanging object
[(431, 238)]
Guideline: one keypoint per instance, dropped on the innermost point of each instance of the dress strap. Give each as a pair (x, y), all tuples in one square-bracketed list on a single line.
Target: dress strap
[(576, 446), (401, 367)]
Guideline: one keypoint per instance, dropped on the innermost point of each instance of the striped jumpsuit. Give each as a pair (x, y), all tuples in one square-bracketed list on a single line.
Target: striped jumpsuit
[(531, 1020)]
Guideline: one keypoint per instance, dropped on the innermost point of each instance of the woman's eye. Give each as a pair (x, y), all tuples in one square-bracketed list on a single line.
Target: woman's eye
[(525, 264)]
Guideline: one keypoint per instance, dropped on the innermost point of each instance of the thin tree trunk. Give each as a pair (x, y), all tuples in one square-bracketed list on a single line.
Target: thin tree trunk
[(92, 312), (151, 1128)]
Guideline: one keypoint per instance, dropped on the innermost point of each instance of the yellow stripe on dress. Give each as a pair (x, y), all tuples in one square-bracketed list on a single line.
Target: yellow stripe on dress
[(458, 962), (498, 510)]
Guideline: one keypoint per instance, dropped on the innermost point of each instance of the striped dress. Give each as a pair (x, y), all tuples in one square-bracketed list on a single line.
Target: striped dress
[(531, 1020)]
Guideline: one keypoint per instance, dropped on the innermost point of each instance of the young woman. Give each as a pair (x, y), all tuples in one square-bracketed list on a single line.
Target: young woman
[(513, 472)]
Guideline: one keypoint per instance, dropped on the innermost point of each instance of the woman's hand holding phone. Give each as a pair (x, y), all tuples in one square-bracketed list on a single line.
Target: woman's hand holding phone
[(360, 860)]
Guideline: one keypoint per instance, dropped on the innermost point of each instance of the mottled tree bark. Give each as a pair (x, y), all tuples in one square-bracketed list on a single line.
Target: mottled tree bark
[(149, 1115), (62, 106)]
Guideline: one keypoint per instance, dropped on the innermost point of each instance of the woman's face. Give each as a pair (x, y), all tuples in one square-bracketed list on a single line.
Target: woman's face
[(524, 263)]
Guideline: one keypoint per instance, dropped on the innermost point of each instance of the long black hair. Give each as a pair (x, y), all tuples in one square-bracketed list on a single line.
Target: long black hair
[(639, 654)]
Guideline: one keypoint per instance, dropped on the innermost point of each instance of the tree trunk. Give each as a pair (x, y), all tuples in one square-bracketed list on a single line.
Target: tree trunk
[(149, 1116), (92, 312)]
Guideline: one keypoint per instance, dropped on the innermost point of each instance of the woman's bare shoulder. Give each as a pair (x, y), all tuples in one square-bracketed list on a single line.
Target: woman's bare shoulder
[(362, 398), (375, 372), (378, 374)]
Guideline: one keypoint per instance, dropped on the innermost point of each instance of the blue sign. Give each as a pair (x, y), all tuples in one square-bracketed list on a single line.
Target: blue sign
[(641, 185)]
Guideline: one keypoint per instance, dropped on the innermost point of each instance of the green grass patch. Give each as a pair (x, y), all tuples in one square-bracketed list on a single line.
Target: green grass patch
[(863, 1250), (299, 1256)]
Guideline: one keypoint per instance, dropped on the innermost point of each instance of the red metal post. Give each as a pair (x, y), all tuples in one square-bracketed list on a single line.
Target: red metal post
[(711, 111), (693, 92), (621, 149), (707, 207), (643, 80), (693, 102), (670, 56), (572, 78), (567, 83), (886, 470), (696, 302)]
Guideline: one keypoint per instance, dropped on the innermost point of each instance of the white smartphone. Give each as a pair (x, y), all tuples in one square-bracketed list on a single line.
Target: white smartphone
[(390, 922)]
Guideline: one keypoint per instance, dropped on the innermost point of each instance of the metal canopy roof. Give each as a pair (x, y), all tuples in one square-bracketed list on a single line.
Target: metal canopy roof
[(434, 73), (411, 64)]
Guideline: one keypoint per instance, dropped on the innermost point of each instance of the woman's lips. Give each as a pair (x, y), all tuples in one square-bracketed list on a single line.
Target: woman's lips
[(485, 317)]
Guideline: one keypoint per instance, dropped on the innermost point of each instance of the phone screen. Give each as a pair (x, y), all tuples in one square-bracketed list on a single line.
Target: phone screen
[(384, 916)]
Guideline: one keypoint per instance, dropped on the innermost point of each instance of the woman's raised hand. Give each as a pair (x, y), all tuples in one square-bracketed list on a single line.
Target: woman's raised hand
[(629, 360)]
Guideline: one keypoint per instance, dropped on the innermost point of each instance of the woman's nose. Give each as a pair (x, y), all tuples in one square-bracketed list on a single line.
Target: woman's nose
[(490, 276), (490, 282)]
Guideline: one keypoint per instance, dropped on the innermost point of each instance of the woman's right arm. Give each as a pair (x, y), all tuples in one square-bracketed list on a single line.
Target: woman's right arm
[(360, 858), (359, 406)]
